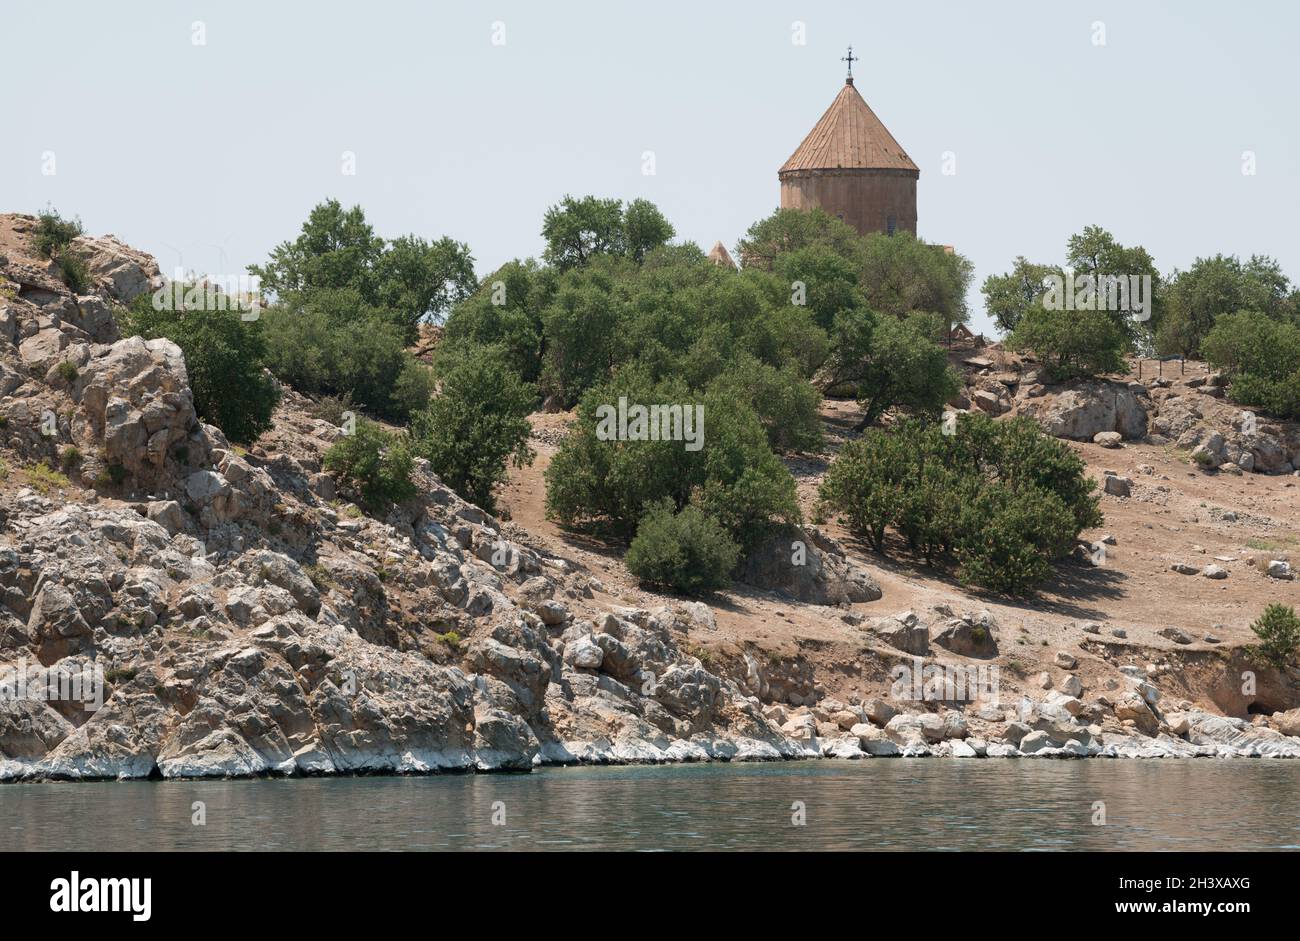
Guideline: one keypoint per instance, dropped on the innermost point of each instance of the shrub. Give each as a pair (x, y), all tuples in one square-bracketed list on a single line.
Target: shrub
[(42, 478), (782, 399), (317, 354), (1007, 539), (1278, 630), (733, 476), (376, 462), (54, 233), (73, 271), (1071, 343), (224, 356), (476, 426), (686, 551), (67, 371), (70, 457), (1002, 499)]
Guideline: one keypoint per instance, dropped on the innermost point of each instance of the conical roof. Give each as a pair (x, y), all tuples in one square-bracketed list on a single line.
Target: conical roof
[(720, 256), (849, 136)]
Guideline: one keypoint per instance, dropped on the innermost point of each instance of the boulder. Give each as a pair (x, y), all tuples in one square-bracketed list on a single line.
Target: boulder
[(1090, 408)]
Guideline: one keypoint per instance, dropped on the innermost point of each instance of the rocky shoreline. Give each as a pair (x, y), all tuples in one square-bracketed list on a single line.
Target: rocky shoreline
[(239, 615)]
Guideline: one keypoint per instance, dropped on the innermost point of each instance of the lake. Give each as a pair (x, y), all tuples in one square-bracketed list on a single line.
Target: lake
[(877, 804)]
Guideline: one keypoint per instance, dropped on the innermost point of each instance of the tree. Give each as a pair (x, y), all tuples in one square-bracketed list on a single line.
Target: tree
[(403, 282), (419, 280), (1008, 297), (686, 550), (581, 327), (894, 363), (225, 358), (476, 425), (1216, 286), (578, 229), (784, 401), (1261, 358), (505, 311), (1094, 252), (1072, 343), (829, 281), (315, 351), (789, 230), (1278, 630), (377, 462), (902, 275), (644, 229), (336, 248)]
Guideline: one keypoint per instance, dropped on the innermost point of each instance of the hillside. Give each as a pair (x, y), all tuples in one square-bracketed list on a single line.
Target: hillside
[(248, 617)]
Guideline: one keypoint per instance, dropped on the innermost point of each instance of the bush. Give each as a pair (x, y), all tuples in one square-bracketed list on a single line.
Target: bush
[(73, 271), (318, 354), (70, 457), (67, 371), (1261, 357), (376, 462), (54, 233), (224, 356), (733, 476), (476, 426), (1278, 630), (1072, 343), (783, 400), (42, 478), (686, 551), (1002, 499)]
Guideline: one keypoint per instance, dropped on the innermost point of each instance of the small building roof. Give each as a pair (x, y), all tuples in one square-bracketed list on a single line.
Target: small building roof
[(719, 255), (849, 136)]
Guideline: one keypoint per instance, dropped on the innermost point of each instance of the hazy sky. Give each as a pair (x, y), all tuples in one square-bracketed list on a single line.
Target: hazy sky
[(211, 154)]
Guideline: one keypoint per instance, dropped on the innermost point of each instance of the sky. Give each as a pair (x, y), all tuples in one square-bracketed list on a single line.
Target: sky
[(469, 119)]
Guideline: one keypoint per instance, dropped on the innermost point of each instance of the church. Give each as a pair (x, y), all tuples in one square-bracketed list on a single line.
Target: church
[(851, 166)]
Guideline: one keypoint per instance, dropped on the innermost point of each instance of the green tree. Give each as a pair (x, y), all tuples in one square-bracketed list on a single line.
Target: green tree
[(733, 476), (1261, 358), (1213, 287), (686, 550), (506, 311), (1278, 630), (1094, 252), (829, 281), (225, 358), (644, 229), (476, 426), (894, 363), (789, 230), (401, 282), (1008, 297), (902, 275), (1001, 499), (576, 230), (1072, 343)]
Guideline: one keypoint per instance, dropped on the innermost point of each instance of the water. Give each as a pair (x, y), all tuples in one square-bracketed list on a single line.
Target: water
[(878, 804)]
